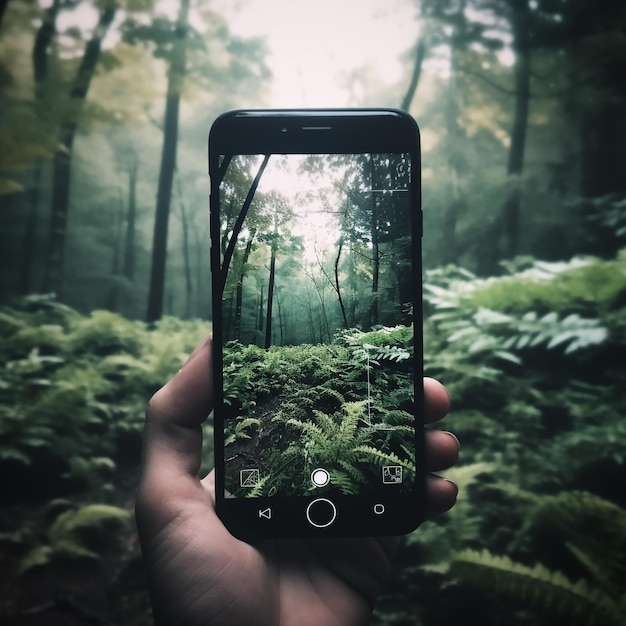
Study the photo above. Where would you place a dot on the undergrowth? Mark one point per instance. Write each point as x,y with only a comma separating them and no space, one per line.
533,360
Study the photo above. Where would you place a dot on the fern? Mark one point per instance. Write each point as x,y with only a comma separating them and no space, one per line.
491,331
380,458
241,430
539,588
77,534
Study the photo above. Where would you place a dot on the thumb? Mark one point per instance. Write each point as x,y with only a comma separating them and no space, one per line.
173,424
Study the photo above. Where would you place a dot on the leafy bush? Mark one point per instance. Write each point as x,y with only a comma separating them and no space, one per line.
534,363
531,359
73,390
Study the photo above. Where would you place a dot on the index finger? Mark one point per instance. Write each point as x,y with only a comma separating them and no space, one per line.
436,401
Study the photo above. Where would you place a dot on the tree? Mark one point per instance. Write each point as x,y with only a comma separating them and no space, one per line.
241,217
128,268
521,31
175,77
55,257
43,40
188,53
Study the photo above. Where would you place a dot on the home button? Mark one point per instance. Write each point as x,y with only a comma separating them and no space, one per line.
321,513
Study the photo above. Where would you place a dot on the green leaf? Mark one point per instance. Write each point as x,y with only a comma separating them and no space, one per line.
37,557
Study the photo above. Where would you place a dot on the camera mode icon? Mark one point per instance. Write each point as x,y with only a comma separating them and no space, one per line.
320,477
392,474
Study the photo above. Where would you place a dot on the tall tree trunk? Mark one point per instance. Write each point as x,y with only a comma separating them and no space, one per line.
186,259
270,296
337,286
374,309
420,53
281,319
457,203
242,275
175,77
43,39
520,27
261,313
53,281
30,233
131,218
230,249
3,7
113,299
323,317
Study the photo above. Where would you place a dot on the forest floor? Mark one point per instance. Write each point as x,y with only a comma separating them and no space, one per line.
109,590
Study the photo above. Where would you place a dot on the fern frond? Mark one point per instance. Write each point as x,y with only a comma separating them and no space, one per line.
257,490
311,429
466,474
355,474
342,480
325,422
383,458
538,587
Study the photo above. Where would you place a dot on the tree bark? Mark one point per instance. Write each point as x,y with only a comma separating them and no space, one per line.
55,257
43,39
520,28
3,7
230,249
270,296
131,218
261,311
420,53
186,259
457,203
175,77
375,251
242,275
337,286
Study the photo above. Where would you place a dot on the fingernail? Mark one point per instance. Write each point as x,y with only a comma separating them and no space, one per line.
453,436
456,487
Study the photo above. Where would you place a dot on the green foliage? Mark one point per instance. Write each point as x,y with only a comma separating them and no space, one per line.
318,395
84,533
333,442
532,359
533,362
241,431
539,588
484,318
73,389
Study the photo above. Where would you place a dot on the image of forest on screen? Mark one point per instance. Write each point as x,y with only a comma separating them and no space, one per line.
317,288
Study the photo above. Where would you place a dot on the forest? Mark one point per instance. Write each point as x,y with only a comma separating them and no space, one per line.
105,107
312,249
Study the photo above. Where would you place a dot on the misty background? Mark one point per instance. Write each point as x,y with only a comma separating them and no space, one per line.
105,109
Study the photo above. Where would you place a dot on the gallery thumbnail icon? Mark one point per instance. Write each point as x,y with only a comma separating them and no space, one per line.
249,478
392,474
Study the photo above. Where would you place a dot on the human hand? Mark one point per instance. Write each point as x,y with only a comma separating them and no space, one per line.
199,574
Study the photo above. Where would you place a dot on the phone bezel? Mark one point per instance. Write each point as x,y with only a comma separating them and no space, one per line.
316,131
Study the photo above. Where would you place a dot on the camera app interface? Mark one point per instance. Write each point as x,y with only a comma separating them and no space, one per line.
316,283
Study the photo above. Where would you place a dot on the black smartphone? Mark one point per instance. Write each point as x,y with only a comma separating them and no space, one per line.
317,322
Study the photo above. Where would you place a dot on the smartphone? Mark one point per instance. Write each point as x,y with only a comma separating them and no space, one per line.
316,225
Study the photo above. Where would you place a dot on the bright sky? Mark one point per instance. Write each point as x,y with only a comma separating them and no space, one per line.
315,44
315,225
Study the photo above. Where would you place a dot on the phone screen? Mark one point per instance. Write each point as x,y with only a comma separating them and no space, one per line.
316,278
